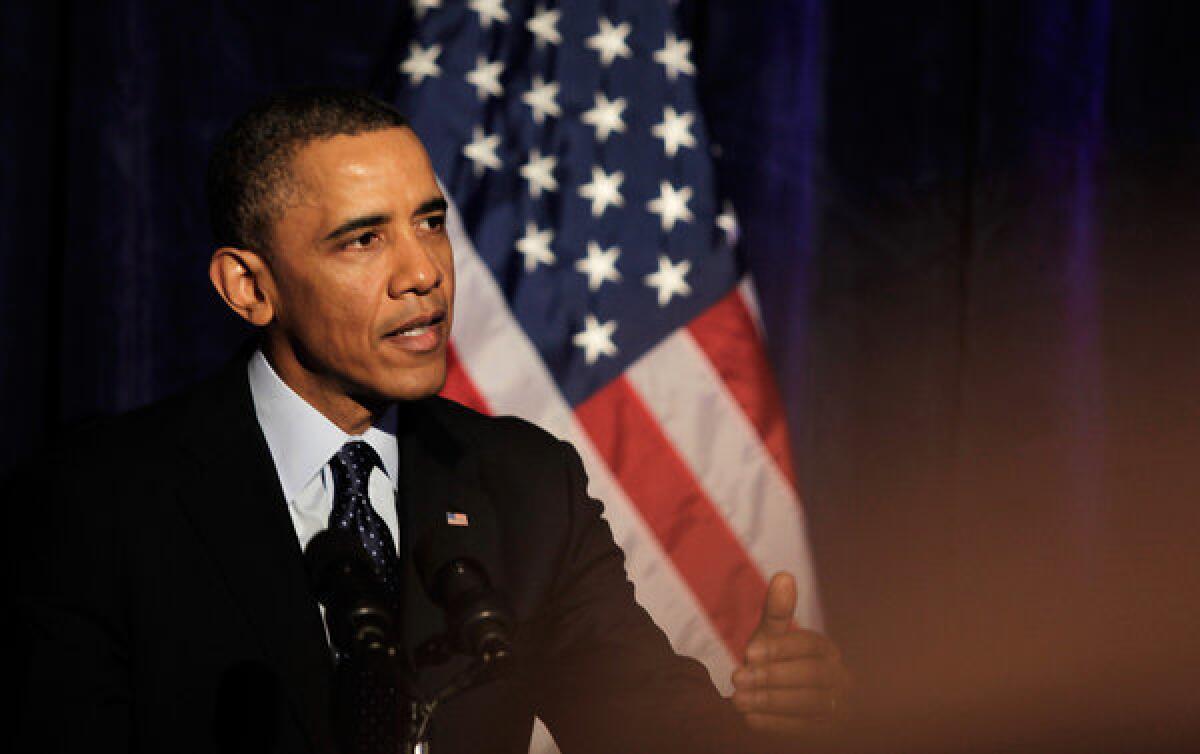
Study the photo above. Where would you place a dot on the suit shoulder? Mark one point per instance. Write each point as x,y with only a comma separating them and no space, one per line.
153,429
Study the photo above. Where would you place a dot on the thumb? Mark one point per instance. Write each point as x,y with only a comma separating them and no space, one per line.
780,605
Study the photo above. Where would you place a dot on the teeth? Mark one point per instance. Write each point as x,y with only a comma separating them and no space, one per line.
414,332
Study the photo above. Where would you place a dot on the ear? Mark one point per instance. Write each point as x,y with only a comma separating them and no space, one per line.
241,278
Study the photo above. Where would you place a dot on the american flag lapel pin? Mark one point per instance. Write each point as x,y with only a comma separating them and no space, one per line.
457,519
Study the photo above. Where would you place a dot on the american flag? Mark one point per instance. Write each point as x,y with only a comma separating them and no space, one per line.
600,295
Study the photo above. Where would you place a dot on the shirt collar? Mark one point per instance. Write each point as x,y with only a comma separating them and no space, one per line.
301,439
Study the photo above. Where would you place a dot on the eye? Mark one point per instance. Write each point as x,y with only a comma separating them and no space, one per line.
364,240
432,223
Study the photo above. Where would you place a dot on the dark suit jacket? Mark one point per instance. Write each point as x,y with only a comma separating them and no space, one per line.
169,609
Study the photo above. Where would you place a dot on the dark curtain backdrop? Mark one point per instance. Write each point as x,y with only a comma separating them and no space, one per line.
976,234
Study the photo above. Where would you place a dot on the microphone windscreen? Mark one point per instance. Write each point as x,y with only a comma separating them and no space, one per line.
336,564
442,545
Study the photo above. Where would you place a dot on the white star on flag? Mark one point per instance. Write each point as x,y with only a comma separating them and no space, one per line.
535,246
542,99
538,171
485,77
727,221
600,265
674,56
668,280
675,130
609,42
544,27
421,62
596,339
604,190
671,205
421,7
489,11
482,151
605,116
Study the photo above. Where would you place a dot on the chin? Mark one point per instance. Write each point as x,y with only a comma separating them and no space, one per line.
415,384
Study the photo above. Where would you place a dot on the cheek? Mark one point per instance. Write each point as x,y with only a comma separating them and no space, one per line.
336,312
351,317
446,259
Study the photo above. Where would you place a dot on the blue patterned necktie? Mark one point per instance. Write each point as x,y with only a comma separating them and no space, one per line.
352,510
368,700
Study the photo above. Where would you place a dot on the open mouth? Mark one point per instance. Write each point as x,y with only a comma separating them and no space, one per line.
423,333
414,332
419,325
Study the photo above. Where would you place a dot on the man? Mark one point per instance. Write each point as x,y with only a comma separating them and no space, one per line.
168,600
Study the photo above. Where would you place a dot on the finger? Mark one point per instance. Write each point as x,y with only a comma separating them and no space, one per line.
807,672
808,704
779,606
796,643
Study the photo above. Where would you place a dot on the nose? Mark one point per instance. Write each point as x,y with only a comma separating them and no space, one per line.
416,269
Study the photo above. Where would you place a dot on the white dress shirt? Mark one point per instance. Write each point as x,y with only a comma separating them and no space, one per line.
302,440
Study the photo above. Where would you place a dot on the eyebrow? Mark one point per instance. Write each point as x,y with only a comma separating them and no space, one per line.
437,204
356,223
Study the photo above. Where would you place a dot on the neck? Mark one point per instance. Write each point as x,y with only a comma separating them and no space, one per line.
351,415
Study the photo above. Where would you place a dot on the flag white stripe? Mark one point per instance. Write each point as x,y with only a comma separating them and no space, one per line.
505,368
749,295
724,452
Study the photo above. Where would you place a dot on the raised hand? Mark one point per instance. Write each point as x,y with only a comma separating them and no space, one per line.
793,679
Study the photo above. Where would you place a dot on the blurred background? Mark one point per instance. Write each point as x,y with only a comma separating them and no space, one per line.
975,233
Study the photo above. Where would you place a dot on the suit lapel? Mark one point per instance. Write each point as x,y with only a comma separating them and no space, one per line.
439,476
235,502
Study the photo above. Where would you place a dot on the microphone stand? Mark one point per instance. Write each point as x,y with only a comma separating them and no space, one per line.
373,686
421,710
373,677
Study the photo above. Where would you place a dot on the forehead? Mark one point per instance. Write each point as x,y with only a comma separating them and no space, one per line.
388,165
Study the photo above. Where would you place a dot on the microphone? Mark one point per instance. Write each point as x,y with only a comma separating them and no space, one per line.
357,606
478,621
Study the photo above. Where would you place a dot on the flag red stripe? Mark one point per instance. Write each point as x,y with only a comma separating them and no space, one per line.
458,385
709,557
726,334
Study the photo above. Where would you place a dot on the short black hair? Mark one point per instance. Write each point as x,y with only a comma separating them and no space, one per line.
249,172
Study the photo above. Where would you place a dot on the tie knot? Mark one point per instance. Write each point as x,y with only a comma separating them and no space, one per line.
353,463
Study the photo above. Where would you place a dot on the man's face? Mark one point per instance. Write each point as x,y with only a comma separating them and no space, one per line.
361,275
